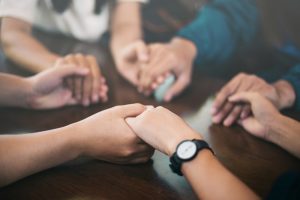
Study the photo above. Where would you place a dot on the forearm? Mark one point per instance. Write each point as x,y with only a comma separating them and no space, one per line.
210,180
285,133
22,48
23,155
126,25
29,53
14,91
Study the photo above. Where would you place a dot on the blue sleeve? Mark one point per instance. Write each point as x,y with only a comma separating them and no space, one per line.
221,28
293,77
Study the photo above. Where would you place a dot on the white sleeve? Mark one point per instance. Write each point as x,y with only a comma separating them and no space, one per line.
21,9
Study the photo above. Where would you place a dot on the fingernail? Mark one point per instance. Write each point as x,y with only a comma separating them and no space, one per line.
95,98
168,98
216,120
213,110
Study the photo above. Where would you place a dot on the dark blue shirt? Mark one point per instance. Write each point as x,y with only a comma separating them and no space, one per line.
223,27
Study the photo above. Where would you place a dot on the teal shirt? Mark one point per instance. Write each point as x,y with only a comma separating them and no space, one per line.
224,27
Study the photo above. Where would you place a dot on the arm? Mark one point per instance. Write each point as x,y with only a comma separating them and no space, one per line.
43,91
211,180
268,123
208,177
284,132
14,91
23,155
221,27
126,26
22,48
127,45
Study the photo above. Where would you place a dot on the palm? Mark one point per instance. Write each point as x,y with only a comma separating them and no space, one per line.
56,98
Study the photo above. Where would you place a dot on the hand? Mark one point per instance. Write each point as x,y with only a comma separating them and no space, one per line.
162,129
106,136
264,113
227,112
90,89
176,57
130,60
48,90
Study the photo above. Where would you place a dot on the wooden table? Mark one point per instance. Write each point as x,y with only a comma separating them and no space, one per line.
254,161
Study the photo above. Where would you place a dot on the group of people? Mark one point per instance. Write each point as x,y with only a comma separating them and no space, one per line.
129,133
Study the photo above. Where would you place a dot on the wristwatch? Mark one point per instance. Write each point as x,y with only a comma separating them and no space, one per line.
186,151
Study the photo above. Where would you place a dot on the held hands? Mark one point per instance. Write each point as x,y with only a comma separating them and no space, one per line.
226,112
106,136
162,129
89,89
147,66
264,113
48,90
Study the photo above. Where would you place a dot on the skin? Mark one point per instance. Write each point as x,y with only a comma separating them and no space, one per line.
22,48
209,179
280,93
45,90
175,57
94,137
127,46
267,123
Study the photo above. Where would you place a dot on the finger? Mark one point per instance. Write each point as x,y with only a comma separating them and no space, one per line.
137,50
233,116
68,70
246,111
131,110
246,97
159,65
180,84
142,52
224,111
77,81
224,93
98,81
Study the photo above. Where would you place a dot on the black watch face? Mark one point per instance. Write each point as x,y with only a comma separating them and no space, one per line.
186,150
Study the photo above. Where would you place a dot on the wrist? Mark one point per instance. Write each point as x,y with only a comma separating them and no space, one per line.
27,93
187,135
272,127
285,93
74,139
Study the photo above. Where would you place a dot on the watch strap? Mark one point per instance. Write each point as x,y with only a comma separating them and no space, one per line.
176,162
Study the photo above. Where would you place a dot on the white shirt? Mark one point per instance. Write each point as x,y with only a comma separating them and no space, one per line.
78,21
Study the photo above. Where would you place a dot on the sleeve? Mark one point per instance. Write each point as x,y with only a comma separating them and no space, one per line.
286,187
293,77
221,27
23,10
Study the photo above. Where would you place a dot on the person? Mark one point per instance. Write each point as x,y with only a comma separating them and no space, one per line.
191,156
95,137
86,21
236,26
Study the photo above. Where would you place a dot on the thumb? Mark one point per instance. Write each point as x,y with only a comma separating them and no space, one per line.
251,125
142,52
131,110
180,84
130,121
137,50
